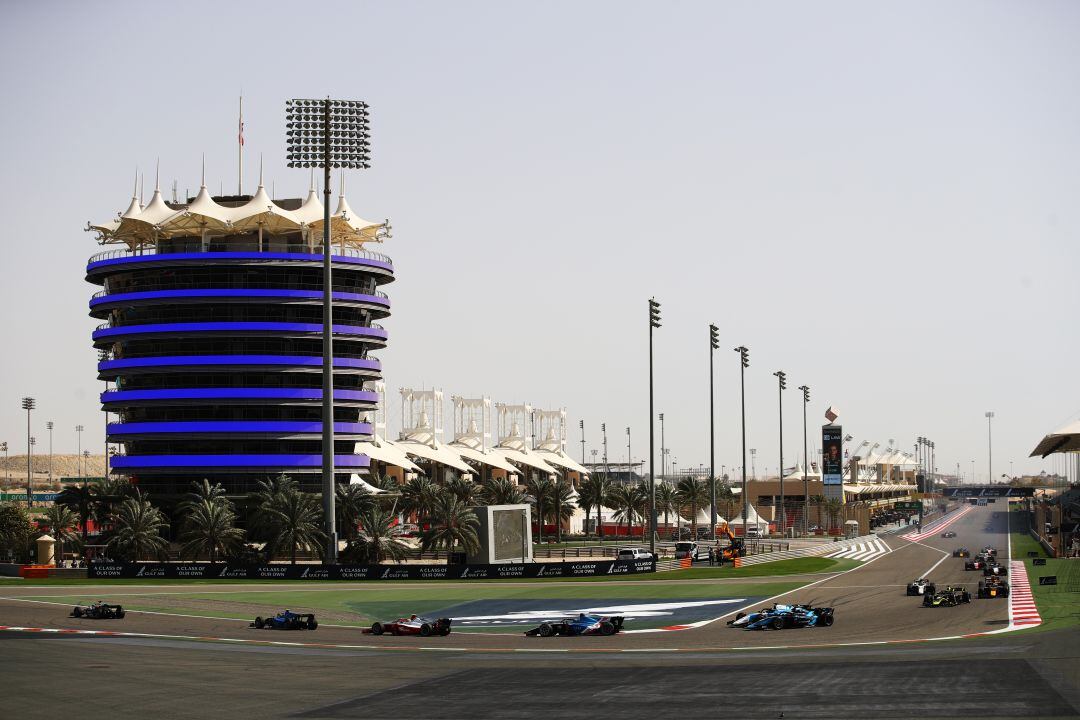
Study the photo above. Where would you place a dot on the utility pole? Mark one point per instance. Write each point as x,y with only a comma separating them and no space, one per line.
781,377
714,343
49,427
806,463
654,322
662,463
989,448
28,405
744,362
581,424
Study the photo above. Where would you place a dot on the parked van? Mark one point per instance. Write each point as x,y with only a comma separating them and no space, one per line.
690,549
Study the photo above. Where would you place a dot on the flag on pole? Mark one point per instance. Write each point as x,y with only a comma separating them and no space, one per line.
241,121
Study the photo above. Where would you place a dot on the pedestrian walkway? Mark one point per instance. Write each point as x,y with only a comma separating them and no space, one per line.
1022,609
864,548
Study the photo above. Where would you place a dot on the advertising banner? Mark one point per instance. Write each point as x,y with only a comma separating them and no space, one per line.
832,457
274,571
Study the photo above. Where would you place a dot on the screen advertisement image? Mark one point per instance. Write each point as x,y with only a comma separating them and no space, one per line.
832,461
509,533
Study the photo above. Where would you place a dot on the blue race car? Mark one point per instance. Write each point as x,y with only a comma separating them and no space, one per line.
581,625
287,620
781,616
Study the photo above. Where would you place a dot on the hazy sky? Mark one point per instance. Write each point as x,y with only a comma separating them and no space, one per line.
878,198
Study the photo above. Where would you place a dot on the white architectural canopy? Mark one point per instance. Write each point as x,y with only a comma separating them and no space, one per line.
139,226
1062,440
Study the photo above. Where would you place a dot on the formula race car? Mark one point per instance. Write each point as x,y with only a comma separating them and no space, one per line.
991,551
948,534
287,620
413,625
976,563
922,586
993,568
961,552
993,587
581,625
779,617
949,597
98,610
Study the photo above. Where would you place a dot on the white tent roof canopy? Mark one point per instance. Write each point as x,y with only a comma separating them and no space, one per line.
1062,440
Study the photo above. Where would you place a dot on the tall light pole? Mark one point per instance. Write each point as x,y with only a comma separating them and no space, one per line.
714,344
753,463
806,462
581,424
7,468
989,448
781,378
29,489
28,405
744,362
654,323
973,471
327,134
49,427
78,434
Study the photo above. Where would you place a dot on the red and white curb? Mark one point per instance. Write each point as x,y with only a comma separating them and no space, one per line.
938,525
1022,610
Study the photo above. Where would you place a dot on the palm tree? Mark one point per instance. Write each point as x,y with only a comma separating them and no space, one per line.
379,538
666,501
288,518
641,499
562,498
466,490
692,492
110,493
540,487
203,491
60,520
623,500
81,499
210,528
594,493
418,496
351,502
833,507
502,491
137,529
452,524
725,495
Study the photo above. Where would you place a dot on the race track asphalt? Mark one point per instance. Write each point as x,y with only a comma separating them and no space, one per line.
339,672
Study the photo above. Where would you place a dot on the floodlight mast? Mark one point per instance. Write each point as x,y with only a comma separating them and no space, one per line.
327,133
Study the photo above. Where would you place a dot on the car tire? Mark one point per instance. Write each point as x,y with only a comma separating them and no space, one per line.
377,628
259,623
312,624
607,628
120,613
77,612
827,620
425,630
777,624
546,630
740,616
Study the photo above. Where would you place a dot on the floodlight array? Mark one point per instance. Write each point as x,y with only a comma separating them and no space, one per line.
308,124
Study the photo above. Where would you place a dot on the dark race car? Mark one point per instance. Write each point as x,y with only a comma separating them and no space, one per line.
98,610
412,625
583,624
975,563
993,587
948,534
989,551
781,616
287,620
922,586
949,597
961,552
992,567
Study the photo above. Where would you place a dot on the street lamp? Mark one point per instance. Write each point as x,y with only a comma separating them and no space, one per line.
78,433
781,378
989,448
806,463
714,344
327,134
744,362
629,459
753,463
7,468
28,405
654,322
662,449
29,489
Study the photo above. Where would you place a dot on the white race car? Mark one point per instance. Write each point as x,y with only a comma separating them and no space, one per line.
922,586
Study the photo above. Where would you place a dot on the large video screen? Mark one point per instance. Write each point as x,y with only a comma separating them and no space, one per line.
832,461
509,532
